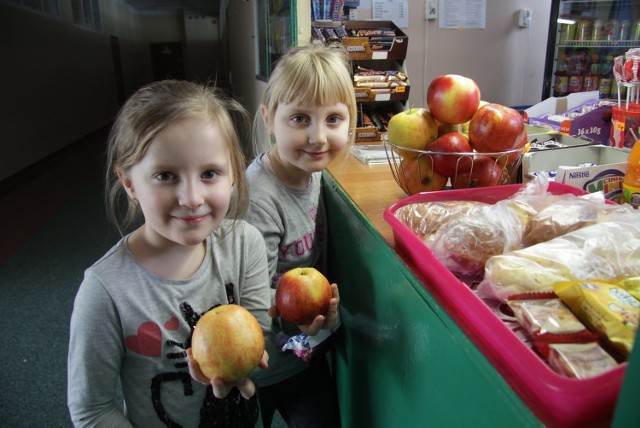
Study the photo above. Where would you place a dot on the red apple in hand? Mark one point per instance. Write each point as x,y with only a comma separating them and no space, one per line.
227,342
416,175
302,295
495,128
453,98
414,129
448,164
485,172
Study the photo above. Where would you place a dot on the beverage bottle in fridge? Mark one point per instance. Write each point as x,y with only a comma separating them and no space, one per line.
561,84
592,78
631,181
606,76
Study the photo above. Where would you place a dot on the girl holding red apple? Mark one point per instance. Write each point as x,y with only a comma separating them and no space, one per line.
174,161
309,114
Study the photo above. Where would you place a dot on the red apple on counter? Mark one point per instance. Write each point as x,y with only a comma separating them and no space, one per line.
414,128
453,98
485,172
227,342
416,175
302,295
448,164
496,128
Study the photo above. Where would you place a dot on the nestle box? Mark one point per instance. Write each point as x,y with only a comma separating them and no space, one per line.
589,168
579,114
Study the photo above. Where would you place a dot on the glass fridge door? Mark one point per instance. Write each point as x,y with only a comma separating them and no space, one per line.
589,35
277,32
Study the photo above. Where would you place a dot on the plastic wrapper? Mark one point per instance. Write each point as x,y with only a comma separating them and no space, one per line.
604,307
580,360
563,215
424,219
544,317
609,251
632,285
466,243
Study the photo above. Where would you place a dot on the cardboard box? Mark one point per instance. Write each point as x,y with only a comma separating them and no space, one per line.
364,48
557,113
605,170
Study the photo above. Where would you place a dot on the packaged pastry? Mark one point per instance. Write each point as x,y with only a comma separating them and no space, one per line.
603,307
542,317
580,360
609,250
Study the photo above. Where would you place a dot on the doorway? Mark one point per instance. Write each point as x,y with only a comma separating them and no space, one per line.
167,61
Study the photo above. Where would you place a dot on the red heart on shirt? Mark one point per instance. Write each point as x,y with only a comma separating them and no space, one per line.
172,323
147,342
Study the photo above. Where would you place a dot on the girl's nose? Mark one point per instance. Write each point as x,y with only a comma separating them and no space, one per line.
190,194
317,135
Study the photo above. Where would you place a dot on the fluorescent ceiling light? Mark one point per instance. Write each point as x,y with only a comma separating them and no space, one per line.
566,21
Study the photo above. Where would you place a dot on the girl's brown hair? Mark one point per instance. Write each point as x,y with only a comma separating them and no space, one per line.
150,110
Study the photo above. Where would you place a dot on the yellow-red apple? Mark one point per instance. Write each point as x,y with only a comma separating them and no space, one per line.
303,294
414,129
484,172
227,342
453,98
496,128
416,175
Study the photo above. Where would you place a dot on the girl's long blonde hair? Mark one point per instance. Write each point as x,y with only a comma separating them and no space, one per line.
150,110
311,75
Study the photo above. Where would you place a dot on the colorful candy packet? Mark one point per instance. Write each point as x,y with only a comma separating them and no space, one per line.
605,308
632,285
580,360
548,320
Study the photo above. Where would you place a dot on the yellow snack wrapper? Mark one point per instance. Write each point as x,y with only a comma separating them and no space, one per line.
605,308
632,285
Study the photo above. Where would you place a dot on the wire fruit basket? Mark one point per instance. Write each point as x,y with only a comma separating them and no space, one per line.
418,171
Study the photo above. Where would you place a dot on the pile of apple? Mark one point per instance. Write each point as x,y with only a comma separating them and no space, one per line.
459,137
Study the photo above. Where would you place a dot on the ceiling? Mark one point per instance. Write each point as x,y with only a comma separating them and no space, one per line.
156,6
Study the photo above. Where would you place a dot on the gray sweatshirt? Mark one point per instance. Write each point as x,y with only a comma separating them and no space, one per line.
294,226
132,327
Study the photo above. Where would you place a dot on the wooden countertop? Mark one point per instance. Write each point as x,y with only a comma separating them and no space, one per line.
372,188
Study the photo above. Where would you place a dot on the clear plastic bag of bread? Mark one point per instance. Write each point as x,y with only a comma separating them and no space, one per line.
607,250
425,218
465,243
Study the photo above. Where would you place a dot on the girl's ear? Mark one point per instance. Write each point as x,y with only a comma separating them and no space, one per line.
126,183
263,114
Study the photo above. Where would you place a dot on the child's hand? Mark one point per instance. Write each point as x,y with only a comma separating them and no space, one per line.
322,322
221,388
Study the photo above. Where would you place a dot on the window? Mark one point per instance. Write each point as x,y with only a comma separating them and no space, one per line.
48,7
86,13
277,32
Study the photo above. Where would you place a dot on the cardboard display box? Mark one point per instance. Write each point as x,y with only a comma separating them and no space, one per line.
561,115
590,168
375,47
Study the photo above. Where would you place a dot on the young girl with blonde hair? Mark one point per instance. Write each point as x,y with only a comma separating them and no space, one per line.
309,114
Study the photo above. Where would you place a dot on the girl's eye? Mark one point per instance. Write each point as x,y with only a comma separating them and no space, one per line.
335,119
298,119
208,175
164,176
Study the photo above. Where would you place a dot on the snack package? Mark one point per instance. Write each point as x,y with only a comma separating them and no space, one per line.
608,250
580,360
605,308
632,285
545,317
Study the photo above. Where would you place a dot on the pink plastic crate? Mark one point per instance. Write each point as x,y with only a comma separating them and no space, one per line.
555,399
